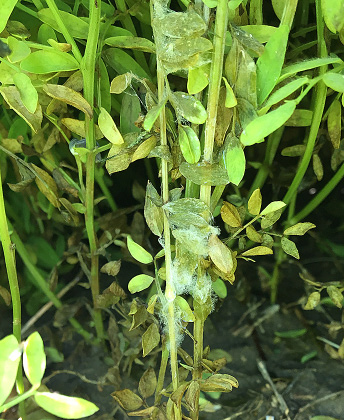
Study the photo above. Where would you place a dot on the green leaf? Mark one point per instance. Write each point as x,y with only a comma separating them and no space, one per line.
333,12
334,81
132,42
305,359
104,87
189,144
255,202
49,61
153,114
77,27
234,158
289,248
269,64
109,128
122,62
9,362
334,123
299,229
34,359
19,49
65,407
7,7
262,33
120,83
139,282
137,252
130,110
231,100
220,288
272,207
266,124
300,118
198,79
291,333
28,93
188,107
307,65
186,313
312,301
150,339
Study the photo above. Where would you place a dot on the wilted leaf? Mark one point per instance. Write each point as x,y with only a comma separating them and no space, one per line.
220,254
144,148
6,296
230,215
78,127
34,359
65,407
312,301
153,213
108,127
335,295
219,383
111,268
47,186
334,123
69,96
299,229
192,395
139,282
150,339
189,144
255,202
188,107
257,250
147,383
290,248
144,412
127,399
272,207
138,252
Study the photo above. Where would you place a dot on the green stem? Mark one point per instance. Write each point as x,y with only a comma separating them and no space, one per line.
162,373
320,197
9,254
256,12
27,10
19,399
319,104
56,14
215,197
99,177
88,66
289,13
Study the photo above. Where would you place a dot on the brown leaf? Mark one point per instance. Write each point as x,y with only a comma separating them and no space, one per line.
192,395
47,185
6,295
219,383
150,339
69,96
127,399
147,383
111,268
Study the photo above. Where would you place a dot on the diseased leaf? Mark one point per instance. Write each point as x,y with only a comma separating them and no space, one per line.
138,252
266,124
219,383
127,399
120,83
46,61
334,123
188,107
153,114
144,149
204,173
220,254
257,250
153,211
289,248
131,42
269,64
272,207
28,93
335,295
253,235
69,96
312,301
255,202
139,283
109,128
270,219
317,166
186,313
299,229
147,383
63,406
230,215
19,49
198,79
111,268
78,127
150,339
47,186
189,144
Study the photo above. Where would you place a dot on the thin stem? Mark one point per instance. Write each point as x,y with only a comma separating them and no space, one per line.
319,104
56,14
88,67
320,197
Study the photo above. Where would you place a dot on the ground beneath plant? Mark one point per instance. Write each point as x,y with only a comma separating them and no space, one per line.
277,352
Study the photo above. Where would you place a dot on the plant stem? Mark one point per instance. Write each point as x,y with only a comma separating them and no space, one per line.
319,104
9,254
56,14
88,67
